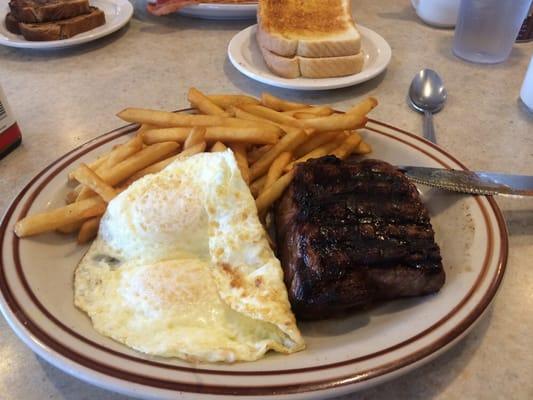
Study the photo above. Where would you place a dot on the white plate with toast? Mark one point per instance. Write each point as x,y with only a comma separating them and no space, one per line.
342,355
117,14
245,55
220,11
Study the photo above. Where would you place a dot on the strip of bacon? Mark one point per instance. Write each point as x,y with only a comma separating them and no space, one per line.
164,7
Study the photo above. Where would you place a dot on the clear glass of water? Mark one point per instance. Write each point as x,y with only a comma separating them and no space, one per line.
486,29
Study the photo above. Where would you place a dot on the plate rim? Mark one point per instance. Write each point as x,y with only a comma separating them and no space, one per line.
126,13
314,84
49,353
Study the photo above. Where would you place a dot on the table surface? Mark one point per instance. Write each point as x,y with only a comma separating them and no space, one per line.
63,98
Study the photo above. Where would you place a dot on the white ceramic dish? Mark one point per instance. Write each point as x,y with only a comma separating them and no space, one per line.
342,355
117,14
245,55
220,11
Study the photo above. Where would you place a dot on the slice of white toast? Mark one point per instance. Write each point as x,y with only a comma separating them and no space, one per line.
309,67
307,28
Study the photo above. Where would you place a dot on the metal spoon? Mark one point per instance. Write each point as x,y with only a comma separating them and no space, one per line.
427,94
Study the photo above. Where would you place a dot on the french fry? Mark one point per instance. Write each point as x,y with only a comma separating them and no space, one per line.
239,151
171,120
319,111
241,114
203,103
159,166
276,169
335,122
70,228
315,141
90,179
287,143
121,153
197,135
166,135
363,148
321,151
229,100
239,135
303,115
256,186
147,156
347,146
54,219
88,230
217,147
272,115
93,165
272,193
256,154
363,107
85,193
278,104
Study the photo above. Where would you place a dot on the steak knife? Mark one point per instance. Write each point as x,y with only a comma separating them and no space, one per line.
483,183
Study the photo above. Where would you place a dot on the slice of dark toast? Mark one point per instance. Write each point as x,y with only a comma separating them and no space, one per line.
35,11
62,29
12,25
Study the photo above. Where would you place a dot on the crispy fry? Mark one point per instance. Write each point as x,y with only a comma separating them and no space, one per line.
319,111
276,169
272,193
287,143
256,154
256,186
278,104
239,135
197,135
171,120
325,149
347,146
241,114
203,103
121,153
229,100
159,166
166,135
88,230
147,156
54,219
363,107
315,141
335,122
272,115
303,115
70,228
218,146
363,148
90,179
239,151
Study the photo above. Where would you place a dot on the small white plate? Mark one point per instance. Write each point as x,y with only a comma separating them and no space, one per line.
244,54
342,354
220,11
117,14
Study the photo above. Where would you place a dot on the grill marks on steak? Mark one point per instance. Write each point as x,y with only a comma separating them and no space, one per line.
353,233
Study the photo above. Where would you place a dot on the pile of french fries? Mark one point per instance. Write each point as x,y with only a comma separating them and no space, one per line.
268,137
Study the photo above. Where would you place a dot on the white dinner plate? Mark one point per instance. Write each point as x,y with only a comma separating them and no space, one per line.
342,354
117,14
220,11
245,55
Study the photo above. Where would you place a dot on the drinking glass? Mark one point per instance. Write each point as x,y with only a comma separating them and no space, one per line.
486,29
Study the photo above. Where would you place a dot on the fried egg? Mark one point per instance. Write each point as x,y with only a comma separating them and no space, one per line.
181,267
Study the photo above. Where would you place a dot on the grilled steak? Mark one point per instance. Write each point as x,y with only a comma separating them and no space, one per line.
352,233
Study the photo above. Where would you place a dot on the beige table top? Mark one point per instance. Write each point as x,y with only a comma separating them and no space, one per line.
64,98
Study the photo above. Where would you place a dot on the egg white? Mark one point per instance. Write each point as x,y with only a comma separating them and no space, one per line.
182,268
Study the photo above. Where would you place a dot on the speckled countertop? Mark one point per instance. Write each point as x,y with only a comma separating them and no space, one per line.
64,98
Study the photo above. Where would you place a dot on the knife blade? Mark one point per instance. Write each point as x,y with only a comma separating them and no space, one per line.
472,182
